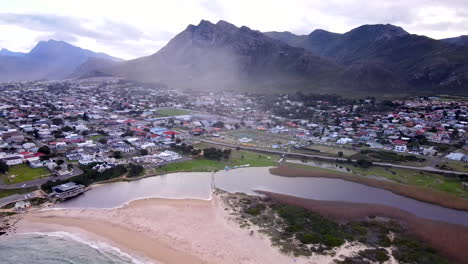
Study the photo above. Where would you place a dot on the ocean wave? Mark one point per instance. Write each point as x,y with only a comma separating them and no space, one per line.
102,247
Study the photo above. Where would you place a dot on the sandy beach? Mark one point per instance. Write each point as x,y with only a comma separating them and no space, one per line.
163,231
170,231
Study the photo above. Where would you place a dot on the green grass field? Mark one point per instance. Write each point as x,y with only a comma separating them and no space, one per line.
427,180
96,138
23,172
237,158
331,151
8,192
260,138
414,177
456,165
172,112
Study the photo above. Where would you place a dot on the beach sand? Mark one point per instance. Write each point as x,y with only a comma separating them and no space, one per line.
165,231
170,231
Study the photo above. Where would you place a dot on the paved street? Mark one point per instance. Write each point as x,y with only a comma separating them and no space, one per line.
39,182
17,197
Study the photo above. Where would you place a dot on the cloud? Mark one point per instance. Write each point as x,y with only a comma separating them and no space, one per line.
102,30
140,27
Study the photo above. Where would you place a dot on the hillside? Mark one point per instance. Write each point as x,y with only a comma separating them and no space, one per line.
47,60
425,64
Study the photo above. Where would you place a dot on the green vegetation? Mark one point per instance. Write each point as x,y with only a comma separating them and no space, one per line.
301,232
428,180
96,138
259,138
433,181
410,250
236,158
8,192
23,172
332,151
172,112
135,170
386,156
3,167
454,165
89,176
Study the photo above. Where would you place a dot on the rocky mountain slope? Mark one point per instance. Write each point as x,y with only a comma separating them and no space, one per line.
424,64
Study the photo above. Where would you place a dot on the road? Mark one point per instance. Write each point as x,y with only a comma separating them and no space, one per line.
39,182
428,169
18,197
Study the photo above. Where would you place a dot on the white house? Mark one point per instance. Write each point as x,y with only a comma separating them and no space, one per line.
455,156
401,148
344,141
22,205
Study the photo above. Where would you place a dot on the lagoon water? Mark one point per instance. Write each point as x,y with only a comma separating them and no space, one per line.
197,185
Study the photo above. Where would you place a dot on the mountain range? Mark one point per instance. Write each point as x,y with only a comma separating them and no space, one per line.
47,60
368,60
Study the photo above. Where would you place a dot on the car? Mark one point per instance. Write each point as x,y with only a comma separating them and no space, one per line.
24,185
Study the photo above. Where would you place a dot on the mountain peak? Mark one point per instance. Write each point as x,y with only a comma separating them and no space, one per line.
6,52
225,25
377,31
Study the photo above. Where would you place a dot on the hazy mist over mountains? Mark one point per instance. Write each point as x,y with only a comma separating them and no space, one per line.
210,57
47,60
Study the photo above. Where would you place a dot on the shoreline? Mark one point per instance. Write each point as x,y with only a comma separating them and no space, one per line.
162,230
413,192
156,230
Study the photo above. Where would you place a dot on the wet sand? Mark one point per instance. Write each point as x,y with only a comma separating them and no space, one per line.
448,239
417,193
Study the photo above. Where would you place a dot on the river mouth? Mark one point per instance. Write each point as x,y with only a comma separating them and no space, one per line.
199,185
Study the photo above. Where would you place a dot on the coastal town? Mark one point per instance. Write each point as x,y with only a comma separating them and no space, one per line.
50,130
60,139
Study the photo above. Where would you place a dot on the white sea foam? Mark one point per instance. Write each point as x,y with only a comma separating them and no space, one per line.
99,246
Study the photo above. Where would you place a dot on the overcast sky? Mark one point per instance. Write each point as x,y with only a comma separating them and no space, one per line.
134,28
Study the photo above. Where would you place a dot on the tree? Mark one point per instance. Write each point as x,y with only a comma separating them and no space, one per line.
118,155
36,134
178,140
143,152
60,161
364,163
102,141
70,167
57,168
454,134
340,154
67,129
85,116
44,150
3,167
57,121
219,124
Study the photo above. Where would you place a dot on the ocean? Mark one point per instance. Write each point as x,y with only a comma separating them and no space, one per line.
58,248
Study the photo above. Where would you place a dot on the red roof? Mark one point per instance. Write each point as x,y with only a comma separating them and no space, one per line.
399,142
171,133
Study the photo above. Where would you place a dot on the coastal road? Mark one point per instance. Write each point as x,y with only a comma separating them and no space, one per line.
76,171
278,152
18,197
